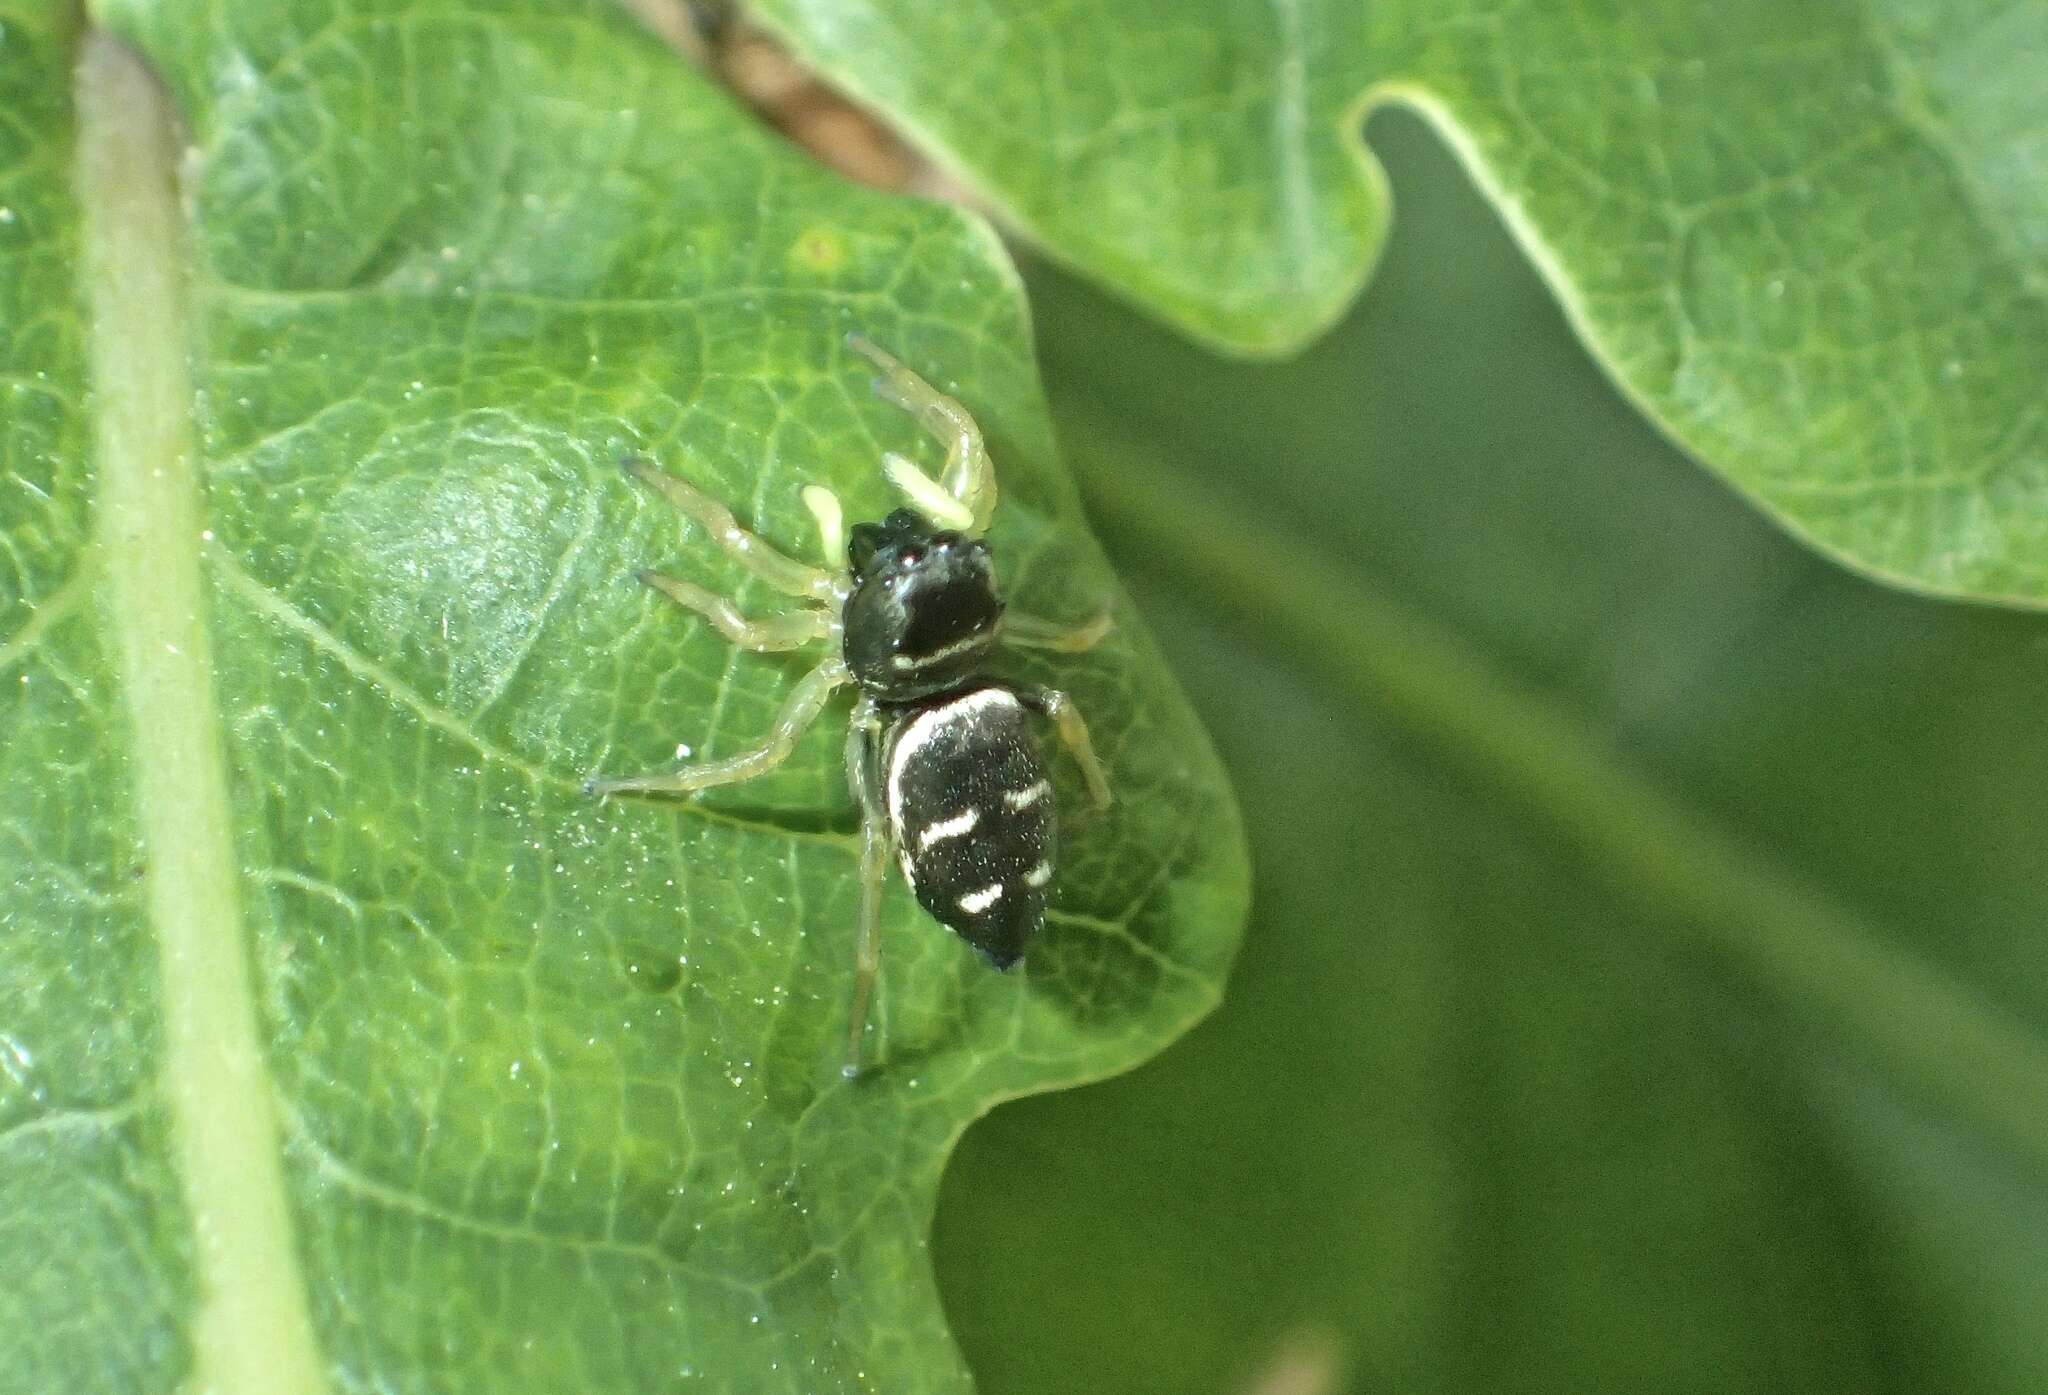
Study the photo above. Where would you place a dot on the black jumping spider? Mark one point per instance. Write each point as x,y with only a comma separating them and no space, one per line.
940,757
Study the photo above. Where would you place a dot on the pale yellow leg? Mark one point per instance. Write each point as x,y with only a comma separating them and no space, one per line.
1033,633
1073,733
874,869
824,506
969,476
785,574
792,630
804,704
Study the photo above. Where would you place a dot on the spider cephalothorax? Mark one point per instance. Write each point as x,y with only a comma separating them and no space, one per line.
923,612
940,757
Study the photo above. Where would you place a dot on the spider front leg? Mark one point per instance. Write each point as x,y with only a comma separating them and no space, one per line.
964,495
792,630
831,518
862,752
802,707
1073,733
785,574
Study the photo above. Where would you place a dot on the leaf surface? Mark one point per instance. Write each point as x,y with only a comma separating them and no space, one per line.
1807,240
451,1078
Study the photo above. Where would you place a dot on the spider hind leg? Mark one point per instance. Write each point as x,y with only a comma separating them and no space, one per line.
863,741
1073,734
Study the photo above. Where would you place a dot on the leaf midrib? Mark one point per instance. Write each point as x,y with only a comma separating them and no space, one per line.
251,1331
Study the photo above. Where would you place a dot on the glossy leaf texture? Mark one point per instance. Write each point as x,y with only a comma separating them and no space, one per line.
547,1091
1807,240
1644,987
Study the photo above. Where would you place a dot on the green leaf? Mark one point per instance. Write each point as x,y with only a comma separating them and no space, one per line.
344,1044
1643,990
1808,240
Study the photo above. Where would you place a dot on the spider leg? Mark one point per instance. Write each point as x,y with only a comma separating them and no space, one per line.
802,707
785,574
1073,733
824,506
1033,633
969,476
926,493
862,742
790,630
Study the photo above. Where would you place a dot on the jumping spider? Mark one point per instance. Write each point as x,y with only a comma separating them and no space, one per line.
939,756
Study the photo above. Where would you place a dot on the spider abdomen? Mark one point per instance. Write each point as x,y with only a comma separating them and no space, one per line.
971,814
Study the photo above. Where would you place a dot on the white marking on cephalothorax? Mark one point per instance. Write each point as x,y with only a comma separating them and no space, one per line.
1038,876
944,651
909,868
922,729
975,902
1020,800
962,822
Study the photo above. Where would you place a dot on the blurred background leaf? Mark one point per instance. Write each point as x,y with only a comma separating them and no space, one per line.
1645,987
1808,239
